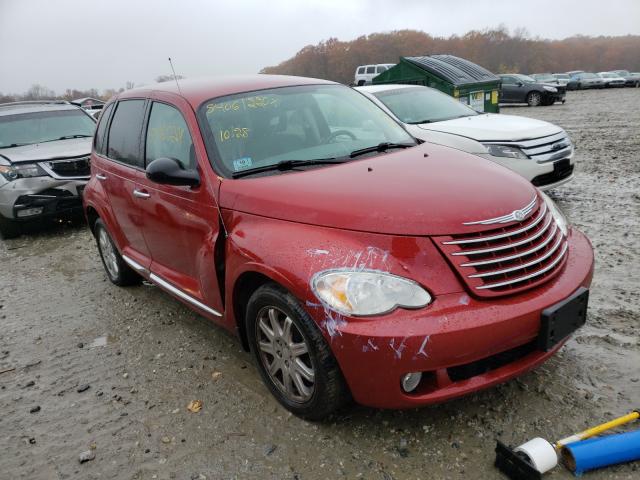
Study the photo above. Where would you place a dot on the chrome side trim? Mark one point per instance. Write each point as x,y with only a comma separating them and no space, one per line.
510,245
531,275
543,212
510,217
513,257
135,265
523,266
179,293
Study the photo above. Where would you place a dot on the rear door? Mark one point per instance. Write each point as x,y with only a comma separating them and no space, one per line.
120,175
181,224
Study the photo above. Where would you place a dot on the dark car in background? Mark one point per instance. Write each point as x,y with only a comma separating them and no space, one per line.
586,80
517,88
44,161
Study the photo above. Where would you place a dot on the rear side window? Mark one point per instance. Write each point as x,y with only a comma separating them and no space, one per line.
361,70
371,69
100,144
168,136
124,135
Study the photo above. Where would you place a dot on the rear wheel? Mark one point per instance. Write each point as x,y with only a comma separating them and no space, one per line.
293,358
9,228
117,269
534,99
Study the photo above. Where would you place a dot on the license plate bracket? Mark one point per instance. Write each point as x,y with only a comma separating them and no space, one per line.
562,319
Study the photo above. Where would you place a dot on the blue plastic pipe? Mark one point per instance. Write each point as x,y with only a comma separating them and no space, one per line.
580,457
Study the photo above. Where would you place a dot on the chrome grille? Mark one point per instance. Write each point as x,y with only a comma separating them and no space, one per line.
508,259
544,149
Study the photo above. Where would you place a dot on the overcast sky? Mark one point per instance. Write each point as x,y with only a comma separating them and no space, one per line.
104,43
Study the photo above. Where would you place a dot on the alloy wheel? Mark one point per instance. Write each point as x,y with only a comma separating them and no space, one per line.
108,254
284,354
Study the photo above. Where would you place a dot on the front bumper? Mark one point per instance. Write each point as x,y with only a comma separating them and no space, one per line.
544,175
45,195
461,344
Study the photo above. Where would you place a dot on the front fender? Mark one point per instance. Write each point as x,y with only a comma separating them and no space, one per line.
291,253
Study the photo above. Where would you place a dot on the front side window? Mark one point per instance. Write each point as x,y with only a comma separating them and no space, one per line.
381,68
262,128
508,80
423,105
45,126
168,136
124,135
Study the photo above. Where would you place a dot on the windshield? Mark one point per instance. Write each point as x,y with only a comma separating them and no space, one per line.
525,78
302,123
423,105
37,127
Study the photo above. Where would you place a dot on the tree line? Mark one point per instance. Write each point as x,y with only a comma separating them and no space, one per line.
41,92
497,50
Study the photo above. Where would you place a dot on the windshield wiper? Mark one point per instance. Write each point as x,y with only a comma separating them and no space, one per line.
16,145
77,135
381,147
287,165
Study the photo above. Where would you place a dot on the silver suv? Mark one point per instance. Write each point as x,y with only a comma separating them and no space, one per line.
44,161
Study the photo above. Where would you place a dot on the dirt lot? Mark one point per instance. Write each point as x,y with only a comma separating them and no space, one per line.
114,369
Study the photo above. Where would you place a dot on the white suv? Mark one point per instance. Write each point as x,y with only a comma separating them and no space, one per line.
365,73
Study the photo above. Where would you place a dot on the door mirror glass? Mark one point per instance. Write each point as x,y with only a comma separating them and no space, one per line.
169,171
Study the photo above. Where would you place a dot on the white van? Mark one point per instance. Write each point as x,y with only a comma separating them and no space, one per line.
365,73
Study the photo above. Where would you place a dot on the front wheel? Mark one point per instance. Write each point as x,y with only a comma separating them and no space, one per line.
117,269
293,358
534,99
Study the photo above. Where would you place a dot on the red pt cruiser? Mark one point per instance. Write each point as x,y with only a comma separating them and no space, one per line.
350,260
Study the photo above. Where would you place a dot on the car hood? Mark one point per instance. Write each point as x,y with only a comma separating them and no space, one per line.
73,147
494,127
424,190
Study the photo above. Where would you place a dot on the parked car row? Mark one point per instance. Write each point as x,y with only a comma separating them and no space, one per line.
329,228
580,80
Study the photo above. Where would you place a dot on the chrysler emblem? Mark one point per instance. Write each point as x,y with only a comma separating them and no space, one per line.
515,216
518,215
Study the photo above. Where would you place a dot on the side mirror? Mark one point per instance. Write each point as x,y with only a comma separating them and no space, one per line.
169,171
520,84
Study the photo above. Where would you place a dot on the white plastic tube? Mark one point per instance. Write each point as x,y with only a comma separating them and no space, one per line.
540,453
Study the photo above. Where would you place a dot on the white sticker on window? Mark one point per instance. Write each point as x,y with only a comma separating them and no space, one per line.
242,163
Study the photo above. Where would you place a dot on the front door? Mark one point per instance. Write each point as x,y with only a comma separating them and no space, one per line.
180,223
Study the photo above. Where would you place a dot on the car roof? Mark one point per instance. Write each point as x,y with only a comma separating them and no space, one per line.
198,90
386,87
33,106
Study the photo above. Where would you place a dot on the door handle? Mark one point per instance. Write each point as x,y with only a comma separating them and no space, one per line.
140,194
101,177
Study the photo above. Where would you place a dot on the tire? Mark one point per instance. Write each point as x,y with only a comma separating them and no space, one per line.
117,269
361,83
307,381
534,99
9,228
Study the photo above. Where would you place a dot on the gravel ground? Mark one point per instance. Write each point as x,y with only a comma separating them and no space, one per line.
110,372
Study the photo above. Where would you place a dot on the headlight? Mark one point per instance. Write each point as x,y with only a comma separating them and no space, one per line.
367,292
13,172
558,216
550,89
505,151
